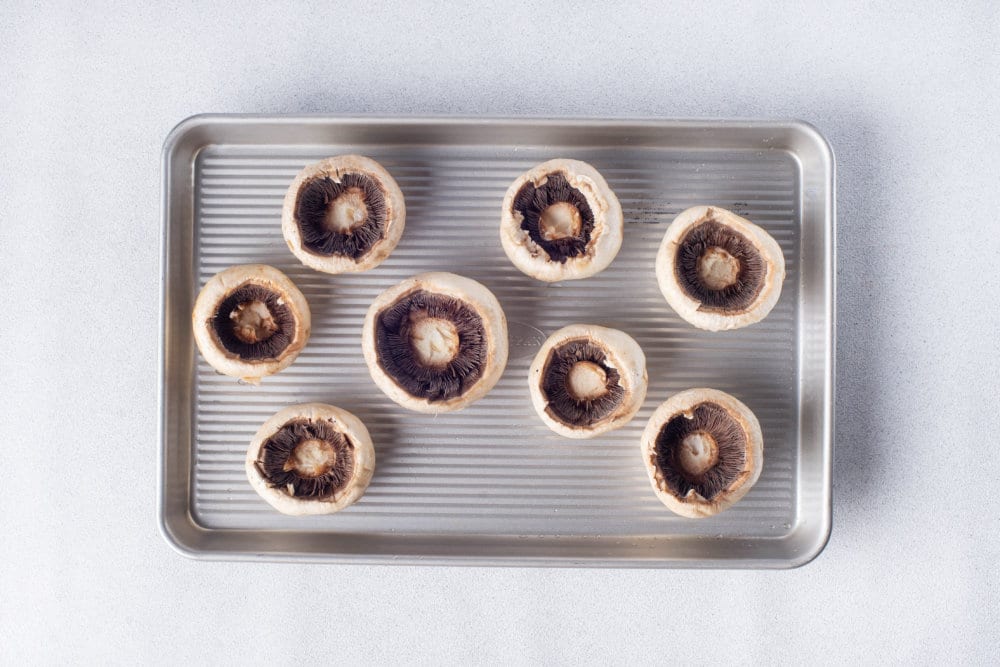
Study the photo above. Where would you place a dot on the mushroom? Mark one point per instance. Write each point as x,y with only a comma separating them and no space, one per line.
250,321
717,270
311,459
561,221
587,380
703,451
343,214
435,342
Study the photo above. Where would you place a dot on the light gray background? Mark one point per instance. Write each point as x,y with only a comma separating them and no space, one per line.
909,99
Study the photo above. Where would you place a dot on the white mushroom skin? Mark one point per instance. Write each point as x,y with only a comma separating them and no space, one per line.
473,294
334,167
623,353
694,505
605,239
216,289
716,268
344,422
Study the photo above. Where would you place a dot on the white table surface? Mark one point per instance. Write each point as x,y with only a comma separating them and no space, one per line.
909,101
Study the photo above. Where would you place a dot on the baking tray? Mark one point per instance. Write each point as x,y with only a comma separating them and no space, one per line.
490,485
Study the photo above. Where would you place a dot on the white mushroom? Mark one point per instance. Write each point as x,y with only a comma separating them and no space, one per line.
717,270
343,214
703,451
587,380
311,459
561,221
250,321
435,342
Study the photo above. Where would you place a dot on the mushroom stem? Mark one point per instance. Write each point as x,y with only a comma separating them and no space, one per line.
718,269
587,380
434,341
347,212
560,221
311,458
697,453
253,322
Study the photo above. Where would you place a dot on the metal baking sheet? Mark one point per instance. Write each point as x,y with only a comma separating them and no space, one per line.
491,485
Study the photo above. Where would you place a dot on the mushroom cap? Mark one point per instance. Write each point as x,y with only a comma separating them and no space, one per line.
694,505
606,237
623,354
690,308
333,167
344,422
470,292
216,289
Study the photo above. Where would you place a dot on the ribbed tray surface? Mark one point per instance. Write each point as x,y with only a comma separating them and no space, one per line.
493,468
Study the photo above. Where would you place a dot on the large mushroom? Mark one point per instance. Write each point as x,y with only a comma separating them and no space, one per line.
435,342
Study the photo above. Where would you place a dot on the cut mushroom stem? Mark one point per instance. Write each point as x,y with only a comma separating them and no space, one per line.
703,451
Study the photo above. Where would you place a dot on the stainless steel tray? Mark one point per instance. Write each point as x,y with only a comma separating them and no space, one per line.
490,485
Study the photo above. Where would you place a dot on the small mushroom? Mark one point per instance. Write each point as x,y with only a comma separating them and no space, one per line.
561,221
435,342
717,270
250,321
703,451
343,214
311,459
587,380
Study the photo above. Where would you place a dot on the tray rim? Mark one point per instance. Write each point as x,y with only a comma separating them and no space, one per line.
176,535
